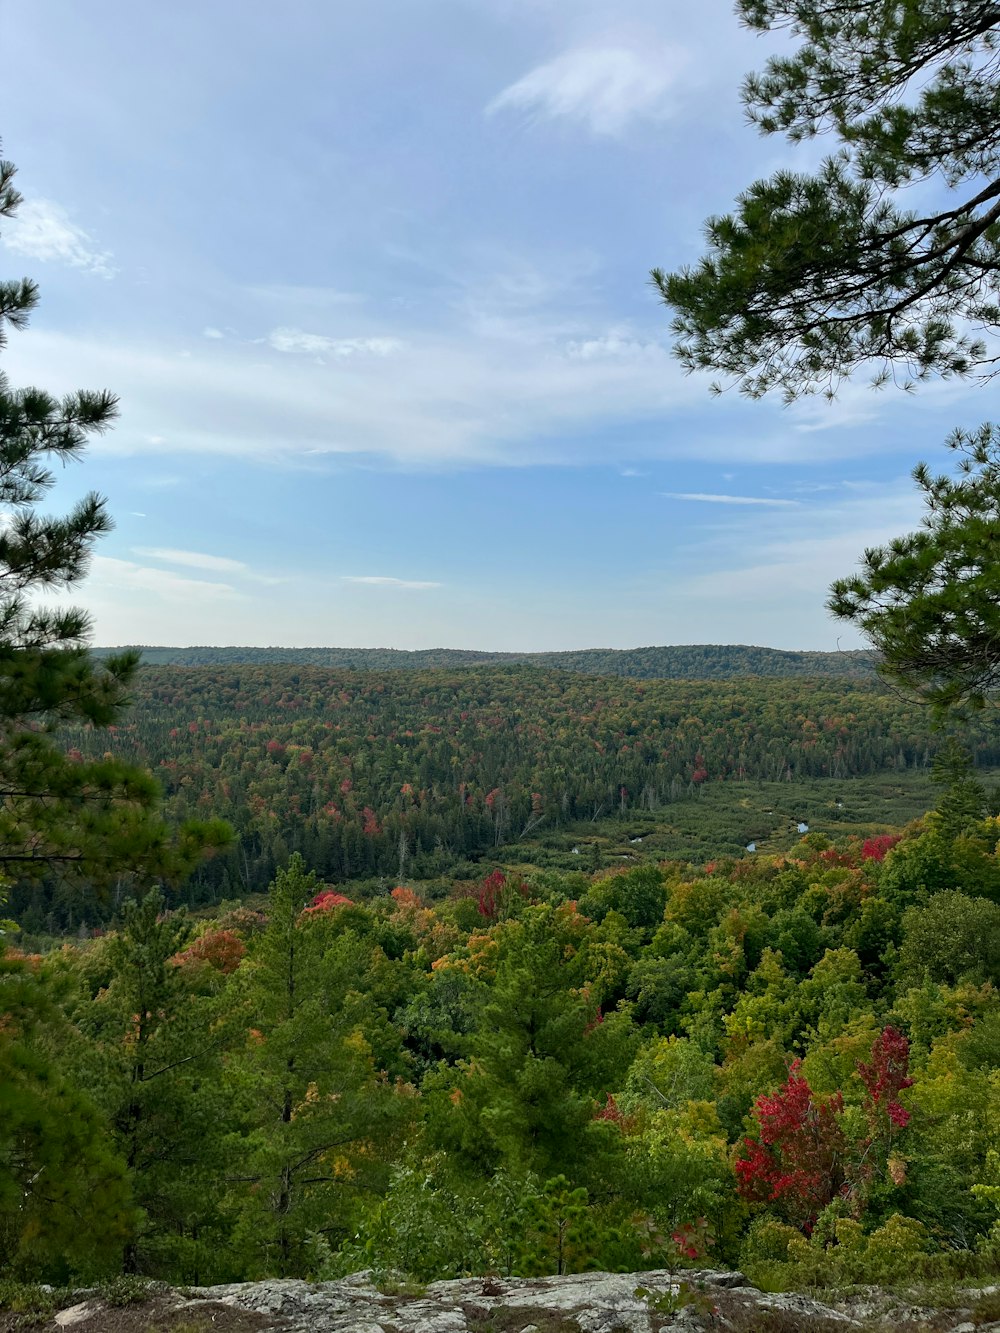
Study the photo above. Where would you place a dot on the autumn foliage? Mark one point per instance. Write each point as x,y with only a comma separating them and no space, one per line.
326,901
222,950
797,1160
801,1158
497,893
884,1077
875,849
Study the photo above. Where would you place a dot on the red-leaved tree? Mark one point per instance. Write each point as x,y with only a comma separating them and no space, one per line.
801,1160
885,1076
498,893
797,1159
875,849
221,949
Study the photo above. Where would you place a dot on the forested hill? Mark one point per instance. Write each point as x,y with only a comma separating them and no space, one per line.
404,772
675,662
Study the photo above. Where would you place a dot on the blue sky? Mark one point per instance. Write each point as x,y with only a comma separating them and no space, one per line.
372,284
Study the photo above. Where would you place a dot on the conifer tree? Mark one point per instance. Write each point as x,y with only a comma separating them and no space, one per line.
928,601
817,273
56,813
311,1102
64,1195
153,1064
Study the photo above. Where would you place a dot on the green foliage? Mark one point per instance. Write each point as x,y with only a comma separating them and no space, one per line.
152,1064
121,1292
765,1249
927,600
638,895
312,1111
674,662
989,1188
816,274
840,1253
33,1299
432,1225
64,1195
953,938
669,1072
541,1054
679,1296
561,1233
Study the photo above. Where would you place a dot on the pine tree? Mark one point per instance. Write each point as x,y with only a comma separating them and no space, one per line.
312,1105
815,274
56,813
64,1196
928,601
152,1062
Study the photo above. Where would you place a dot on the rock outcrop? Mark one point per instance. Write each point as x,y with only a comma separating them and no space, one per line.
582,1303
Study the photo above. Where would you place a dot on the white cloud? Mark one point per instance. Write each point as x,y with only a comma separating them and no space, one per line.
465,394
606,87
213,564
383,580
768,581
725,499
216,564
44,230
315,344
128,577
209,331
455,397
612,345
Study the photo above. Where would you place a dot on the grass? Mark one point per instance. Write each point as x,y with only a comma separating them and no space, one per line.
723,817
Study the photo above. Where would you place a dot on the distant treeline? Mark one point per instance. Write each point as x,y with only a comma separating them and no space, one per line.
704,661
410,774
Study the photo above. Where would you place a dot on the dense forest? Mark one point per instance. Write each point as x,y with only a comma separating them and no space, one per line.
676,662
297,974
415,774
788,1063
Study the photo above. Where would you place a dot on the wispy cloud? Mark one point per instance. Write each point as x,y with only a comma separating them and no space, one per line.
44,230
211,332
128,576
212,564
725,499
315,344
454,397
806,551
605,87
612,345
384,581
216,564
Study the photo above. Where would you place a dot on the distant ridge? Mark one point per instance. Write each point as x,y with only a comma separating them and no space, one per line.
678,662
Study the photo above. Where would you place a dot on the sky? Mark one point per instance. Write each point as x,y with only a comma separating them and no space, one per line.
372,284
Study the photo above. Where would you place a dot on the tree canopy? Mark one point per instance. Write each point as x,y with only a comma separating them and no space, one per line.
928,600
815,274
